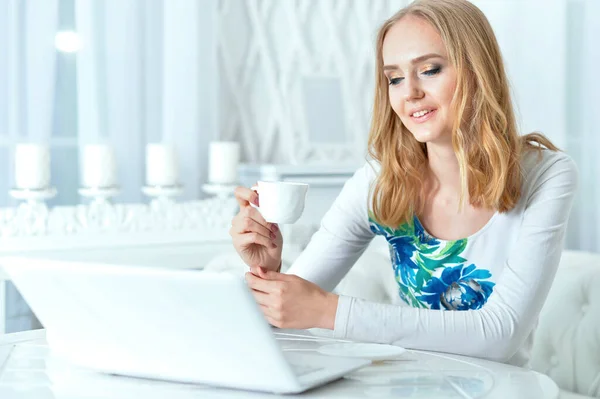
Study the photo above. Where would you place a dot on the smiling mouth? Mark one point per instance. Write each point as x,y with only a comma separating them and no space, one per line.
423,115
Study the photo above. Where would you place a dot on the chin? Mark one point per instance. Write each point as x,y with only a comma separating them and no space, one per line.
426,136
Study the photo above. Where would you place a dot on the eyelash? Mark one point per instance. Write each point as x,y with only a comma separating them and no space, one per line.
432,71
429,72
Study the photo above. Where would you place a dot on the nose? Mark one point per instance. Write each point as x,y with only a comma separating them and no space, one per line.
413,90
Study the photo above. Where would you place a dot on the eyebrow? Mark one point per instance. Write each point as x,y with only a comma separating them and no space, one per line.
414,61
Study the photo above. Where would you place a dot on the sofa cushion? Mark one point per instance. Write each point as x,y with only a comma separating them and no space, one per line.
567,340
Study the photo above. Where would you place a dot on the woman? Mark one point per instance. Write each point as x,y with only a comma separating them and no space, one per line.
475,215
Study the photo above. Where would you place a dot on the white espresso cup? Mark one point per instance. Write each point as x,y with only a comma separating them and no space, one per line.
280,202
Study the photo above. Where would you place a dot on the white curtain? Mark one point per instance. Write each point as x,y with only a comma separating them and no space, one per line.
584,111
27,76
147,73
27,88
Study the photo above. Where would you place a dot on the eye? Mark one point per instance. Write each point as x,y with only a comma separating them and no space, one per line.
395,81
432,71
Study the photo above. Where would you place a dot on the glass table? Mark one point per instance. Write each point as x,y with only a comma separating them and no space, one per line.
28,370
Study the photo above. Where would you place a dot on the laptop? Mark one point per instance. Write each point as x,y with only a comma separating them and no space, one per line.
176,325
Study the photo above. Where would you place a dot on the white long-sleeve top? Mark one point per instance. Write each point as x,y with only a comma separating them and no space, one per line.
478,296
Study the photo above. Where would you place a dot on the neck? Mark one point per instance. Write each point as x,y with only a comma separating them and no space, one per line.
444,172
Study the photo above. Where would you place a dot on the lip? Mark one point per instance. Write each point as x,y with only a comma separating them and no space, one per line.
423,118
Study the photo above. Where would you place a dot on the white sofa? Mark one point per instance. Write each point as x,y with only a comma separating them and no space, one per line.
567,339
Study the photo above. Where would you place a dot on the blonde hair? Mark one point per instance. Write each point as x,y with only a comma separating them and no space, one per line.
488,147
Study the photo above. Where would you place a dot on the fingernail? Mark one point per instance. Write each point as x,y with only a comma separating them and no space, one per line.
273,236
274,245
256,201
274,227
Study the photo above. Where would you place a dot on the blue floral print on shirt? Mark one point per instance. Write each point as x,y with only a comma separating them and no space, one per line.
431,273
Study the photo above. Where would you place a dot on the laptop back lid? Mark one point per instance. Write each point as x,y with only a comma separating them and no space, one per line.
183,325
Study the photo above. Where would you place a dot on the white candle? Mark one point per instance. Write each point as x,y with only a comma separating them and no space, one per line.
32,166
224,158
161,165
99,166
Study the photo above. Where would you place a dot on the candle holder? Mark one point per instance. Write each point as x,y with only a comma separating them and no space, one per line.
163,193
99,194
32,214
33,195
219,190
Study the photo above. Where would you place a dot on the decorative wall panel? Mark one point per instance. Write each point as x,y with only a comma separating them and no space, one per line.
268,48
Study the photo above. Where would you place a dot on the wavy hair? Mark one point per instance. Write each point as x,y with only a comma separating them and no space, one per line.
488,145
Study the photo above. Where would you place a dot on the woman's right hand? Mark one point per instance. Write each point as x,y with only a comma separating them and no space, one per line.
258,242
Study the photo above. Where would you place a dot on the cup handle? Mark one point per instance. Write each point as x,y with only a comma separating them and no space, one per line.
255,189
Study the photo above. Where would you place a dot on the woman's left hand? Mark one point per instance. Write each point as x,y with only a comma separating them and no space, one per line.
288,301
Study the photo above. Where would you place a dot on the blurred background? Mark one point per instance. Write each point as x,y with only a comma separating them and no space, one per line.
290,80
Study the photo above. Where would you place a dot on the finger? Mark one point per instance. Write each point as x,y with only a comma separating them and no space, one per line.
252,281
272,275
255,215
259,271
261,298
241,224
270,314
249,219
245,224
259,284
245,196
248,239
255,270
265,273
267,312
273,322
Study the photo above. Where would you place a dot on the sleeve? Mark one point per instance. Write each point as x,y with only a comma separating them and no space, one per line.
343,236
502,325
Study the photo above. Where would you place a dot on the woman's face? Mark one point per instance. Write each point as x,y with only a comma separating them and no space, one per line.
421,79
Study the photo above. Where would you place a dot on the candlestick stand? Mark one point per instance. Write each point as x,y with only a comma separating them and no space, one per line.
33,195
162,195
32,213
99,194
